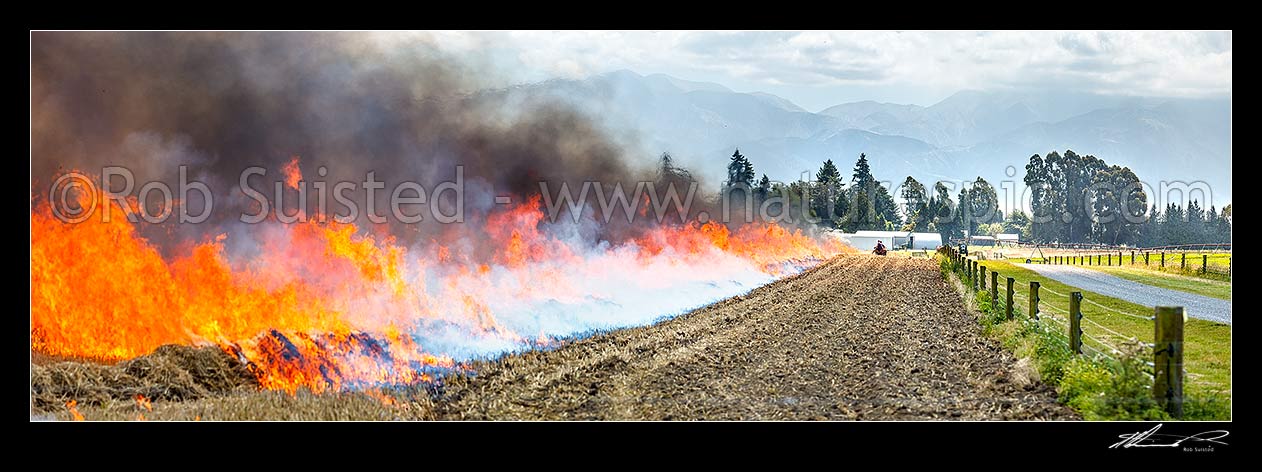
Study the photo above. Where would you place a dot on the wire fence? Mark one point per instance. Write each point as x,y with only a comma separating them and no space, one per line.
1080,332
1192,259
1118,312
1098,335
1108,330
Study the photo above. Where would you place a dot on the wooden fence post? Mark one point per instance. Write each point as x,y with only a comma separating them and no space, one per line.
1204,263
1008,307
1034,299
1075,323
982,279
994,288
1163,260
975,264
1132,257
1167,385
1183,265
1146,257
1111,259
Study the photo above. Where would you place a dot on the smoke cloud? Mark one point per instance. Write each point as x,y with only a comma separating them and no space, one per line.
222,102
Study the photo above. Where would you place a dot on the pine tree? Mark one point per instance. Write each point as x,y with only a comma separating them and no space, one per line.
740,171
827,189
764,188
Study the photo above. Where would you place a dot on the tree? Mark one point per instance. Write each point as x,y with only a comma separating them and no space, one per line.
1174,228
1119,201
942,213
740,171
828,174
863,173
1063,208
668,172
990,229
888,217
1017,223
913,195
879,210
1149,231
863,213
740,181
984,203
1195,223
764,188
827,189
1224,225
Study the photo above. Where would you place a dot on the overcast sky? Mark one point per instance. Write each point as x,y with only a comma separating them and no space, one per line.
818,69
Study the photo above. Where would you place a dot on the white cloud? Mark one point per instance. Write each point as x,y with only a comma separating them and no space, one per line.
1149,63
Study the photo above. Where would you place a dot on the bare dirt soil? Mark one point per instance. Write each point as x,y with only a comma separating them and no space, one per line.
860,337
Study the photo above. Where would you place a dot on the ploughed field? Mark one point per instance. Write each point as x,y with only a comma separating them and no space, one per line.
858,337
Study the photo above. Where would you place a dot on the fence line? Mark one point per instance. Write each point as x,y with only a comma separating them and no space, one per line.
1053,292
1105,328
1168,322
1101,342
1145,318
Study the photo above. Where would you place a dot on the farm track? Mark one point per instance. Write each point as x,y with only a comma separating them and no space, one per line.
860,337
1196,306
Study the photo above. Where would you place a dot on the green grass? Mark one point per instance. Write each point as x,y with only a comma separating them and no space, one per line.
1095,386
1208,356
1200,286
1218,264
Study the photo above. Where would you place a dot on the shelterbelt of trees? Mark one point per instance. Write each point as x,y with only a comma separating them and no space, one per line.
1074,199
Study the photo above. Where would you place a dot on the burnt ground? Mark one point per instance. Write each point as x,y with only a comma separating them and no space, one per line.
860,337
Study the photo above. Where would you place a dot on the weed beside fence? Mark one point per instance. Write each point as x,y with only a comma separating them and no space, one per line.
1102,380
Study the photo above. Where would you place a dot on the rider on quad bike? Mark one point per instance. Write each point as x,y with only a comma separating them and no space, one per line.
880,249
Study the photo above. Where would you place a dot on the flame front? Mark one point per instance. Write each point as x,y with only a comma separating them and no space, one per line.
322,306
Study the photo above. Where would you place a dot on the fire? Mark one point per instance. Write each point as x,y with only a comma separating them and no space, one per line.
72,405
143,402
326,306
293,174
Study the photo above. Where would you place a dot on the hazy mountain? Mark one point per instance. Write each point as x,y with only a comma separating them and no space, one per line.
968,134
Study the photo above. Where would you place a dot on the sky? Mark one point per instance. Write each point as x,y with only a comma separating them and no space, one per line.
818,69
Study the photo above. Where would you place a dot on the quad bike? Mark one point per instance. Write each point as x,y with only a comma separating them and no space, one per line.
880,251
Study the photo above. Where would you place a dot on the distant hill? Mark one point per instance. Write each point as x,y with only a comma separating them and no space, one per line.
968,134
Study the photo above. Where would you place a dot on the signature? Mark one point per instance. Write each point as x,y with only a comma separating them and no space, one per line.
1151,438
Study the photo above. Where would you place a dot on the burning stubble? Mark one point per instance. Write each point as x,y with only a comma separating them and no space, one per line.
327,305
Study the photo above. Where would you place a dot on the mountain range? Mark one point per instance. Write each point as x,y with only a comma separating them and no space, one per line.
969,134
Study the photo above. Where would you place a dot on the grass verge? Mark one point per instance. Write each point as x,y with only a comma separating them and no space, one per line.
1111,381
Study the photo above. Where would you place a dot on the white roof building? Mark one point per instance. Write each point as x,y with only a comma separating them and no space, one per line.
866,240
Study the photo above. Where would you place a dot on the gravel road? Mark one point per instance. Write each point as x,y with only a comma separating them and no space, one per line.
860,337
1195,306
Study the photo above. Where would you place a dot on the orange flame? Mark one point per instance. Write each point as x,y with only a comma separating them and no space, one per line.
293,174
74,410
327,307
143,402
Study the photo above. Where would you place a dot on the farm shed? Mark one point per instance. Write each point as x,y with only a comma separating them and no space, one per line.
866,240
